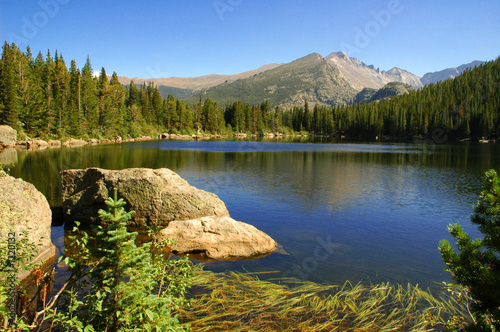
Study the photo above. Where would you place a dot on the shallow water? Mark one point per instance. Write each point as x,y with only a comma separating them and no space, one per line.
371,212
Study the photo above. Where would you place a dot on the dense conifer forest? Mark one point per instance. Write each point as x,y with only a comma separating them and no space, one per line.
41,98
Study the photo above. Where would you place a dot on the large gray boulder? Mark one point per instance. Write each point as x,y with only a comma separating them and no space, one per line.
197,220
24,208
8,136
158,196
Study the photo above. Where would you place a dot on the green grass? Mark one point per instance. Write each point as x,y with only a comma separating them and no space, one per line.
241,302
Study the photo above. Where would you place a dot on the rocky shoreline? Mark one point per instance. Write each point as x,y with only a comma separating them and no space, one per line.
8,139
198,221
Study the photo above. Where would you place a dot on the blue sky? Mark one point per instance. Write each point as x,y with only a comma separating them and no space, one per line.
189,38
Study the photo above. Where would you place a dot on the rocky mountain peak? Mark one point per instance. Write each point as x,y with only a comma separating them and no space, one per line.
360,75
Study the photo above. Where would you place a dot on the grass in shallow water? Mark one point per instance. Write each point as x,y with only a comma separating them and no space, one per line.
241,302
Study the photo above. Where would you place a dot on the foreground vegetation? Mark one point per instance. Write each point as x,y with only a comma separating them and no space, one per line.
118,286
41,98
242,302
114,286
475,266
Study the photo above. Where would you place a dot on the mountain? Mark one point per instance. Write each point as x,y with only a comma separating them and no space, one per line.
309,78
392,89
446,74
335,79
359,75
195,83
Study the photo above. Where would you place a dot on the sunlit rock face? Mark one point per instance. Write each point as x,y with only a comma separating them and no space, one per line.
24,209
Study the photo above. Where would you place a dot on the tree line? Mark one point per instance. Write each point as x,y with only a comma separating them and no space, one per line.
41,97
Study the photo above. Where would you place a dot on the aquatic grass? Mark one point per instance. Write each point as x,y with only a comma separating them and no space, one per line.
241,302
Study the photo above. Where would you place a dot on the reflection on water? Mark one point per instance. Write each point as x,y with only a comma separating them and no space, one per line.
340,211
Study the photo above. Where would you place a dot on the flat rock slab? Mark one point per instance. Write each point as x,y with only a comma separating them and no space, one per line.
218,238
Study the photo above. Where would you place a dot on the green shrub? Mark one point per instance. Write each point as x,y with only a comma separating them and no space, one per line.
119,286
476,266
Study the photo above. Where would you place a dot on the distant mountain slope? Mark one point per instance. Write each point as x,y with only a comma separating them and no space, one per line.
392,89
448,73
360,75
196,83
310,77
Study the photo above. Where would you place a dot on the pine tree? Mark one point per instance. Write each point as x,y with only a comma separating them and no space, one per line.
476,266
117,104
75,116
131,288
107,116
61,94
156,104
9,86
48,114
29,93
88,93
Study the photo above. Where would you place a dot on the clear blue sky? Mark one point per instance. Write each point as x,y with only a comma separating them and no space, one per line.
188,38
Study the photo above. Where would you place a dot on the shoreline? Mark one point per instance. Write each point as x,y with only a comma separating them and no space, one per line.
35,144
42,144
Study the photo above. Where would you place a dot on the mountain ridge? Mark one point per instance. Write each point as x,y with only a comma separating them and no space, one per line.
331,80
309,77
448,73
199,82
361,75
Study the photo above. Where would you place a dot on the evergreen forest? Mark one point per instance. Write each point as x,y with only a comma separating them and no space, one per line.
41,98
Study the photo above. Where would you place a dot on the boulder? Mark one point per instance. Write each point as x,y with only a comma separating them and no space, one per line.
157,195
24,208
8,135
22,144
37,143
197,220
54,143
215,237
74,142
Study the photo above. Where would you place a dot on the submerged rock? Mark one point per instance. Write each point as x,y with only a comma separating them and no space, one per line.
197,220
24,208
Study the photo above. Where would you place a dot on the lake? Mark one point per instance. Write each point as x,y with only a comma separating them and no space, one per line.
362,212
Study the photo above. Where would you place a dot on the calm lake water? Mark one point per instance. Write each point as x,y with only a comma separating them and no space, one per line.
359,212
